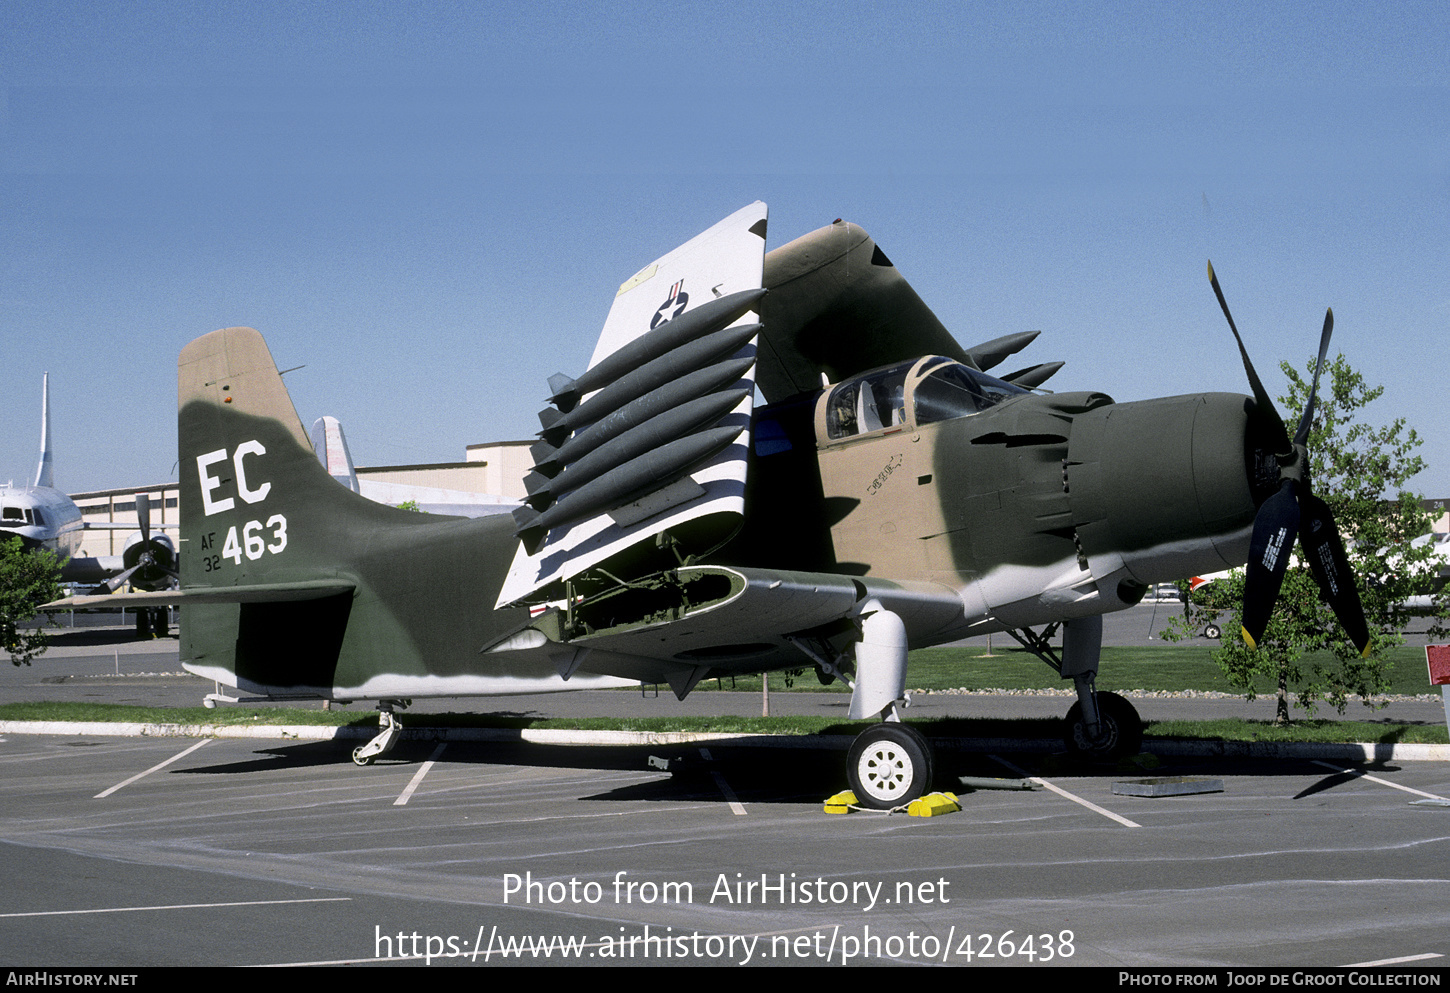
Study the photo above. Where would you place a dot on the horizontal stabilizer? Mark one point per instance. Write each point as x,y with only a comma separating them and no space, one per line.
258,593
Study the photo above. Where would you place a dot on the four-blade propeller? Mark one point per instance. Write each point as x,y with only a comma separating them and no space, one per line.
1294,511
154,559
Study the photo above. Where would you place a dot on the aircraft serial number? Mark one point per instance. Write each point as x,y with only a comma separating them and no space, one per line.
252,541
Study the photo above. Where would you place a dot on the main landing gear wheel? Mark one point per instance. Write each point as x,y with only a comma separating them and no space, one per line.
1213,631
889,765
1120,729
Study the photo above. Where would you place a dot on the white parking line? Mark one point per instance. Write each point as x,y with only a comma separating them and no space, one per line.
1376,779
179,906
736,806
1062,792
1399,961
418,776
141,775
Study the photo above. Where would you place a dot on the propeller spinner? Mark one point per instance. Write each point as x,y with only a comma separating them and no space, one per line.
1293,511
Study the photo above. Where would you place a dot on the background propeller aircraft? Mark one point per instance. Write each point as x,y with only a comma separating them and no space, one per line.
43,517
890,495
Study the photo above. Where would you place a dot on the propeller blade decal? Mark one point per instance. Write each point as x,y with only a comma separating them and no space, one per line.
1275,526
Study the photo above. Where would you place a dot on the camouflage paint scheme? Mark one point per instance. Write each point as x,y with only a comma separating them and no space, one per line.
1032,510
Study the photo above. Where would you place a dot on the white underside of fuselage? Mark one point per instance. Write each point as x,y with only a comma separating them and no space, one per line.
390,686
1018,596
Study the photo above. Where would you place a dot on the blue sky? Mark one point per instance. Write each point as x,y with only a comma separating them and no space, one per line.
430,205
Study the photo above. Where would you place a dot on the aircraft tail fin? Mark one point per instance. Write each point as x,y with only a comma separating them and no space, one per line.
44,472
266,577
257,505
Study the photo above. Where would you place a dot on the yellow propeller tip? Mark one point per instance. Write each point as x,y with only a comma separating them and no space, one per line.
1249,639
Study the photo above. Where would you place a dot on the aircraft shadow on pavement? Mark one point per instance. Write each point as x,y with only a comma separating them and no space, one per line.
759,775
303,755
753,775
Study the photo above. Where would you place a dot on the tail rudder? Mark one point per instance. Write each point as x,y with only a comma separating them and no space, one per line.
330,444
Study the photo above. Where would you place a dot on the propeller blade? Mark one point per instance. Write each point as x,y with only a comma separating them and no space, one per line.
143,516
1275,526
117,581
1278,520
1324,550
1305,422
1261,396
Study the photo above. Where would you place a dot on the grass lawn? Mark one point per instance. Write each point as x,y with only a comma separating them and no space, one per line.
1166,667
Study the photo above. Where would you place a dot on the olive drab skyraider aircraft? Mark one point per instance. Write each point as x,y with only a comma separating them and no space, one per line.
889,495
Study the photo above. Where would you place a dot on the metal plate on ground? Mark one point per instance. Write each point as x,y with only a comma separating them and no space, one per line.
1171,786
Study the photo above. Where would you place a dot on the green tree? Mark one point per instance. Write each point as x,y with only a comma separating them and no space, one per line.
27,580
1360,470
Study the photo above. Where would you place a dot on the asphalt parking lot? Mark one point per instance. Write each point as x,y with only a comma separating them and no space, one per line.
140,851
160,851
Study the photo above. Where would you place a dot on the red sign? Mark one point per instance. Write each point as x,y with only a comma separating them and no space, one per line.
1438,657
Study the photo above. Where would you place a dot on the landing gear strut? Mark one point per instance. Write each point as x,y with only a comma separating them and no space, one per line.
386,739
890,764
152,622
1099,725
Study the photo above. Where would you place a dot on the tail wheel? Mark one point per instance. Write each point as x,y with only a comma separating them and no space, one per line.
1120,729
889,765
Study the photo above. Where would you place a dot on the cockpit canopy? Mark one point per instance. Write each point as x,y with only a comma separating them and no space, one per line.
924,391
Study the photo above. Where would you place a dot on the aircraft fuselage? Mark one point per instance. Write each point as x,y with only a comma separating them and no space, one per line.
1034,507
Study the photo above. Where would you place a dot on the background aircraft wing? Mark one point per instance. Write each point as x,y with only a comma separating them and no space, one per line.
644,455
